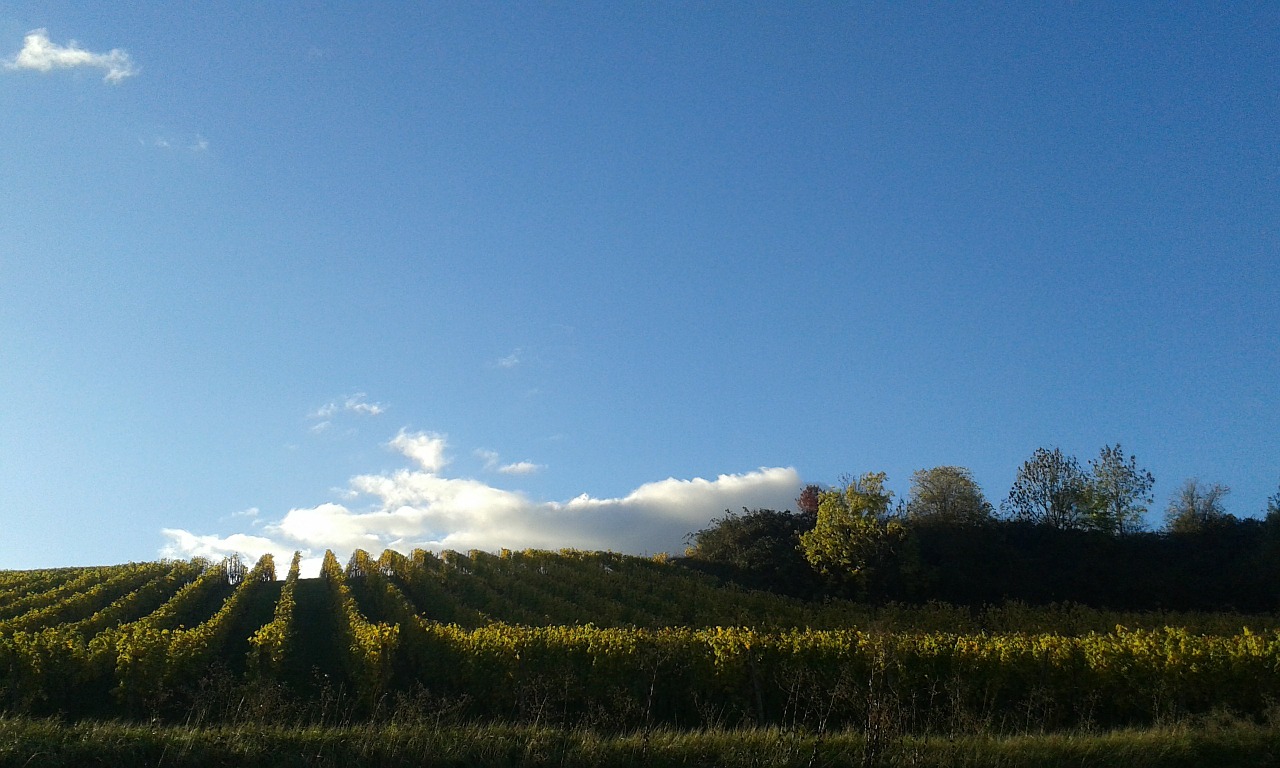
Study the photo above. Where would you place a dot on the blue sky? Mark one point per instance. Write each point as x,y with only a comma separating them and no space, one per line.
311,275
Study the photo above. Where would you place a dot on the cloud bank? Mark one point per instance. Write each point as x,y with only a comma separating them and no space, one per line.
423,507
41,54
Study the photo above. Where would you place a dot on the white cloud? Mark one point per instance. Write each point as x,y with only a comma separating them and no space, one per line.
183,544
420,507
356,403
198,144
326,526
493,463
42,55
510,361
425,448
520,468
491,458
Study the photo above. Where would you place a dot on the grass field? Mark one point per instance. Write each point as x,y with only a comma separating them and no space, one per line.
25,742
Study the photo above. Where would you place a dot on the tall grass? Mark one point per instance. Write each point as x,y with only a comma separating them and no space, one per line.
27,742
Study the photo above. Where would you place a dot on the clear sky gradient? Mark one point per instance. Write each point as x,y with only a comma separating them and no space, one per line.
300,275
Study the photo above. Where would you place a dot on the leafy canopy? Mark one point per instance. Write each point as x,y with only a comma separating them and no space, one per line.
855,535
947,495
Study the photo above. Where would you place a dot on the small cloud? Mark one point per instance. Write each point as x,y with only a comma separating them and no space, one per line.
320,427
520,468
511,360
426,448
490,458
357,404
348,404
41,54
493,463
250,514
198,145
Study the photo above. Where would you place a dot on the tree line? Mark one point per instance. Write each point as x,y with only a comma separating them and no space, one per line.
1066,532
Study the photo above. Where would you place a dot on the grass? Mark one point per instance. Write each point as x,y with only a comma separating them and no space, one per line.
30,742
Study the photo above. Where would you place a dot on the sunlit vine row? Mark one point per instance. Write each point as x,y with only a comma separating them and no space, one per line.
146,656
273,642
413,659
140,602
211,585
81,604
54,662
368,648
61,589
192,648
17,585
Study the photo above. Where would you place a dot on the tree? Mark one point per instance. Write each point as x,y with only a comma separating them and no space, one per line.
1117,492
762,547
235,569
1273,507
1196,507
1050,489
855,537
946,495
808,500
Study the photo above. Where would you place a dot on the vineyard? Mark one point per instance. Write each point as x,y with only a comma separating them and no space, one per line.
600,640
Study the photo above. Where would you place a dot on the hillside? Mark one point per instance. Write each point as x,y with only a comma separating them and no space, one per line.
598,639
